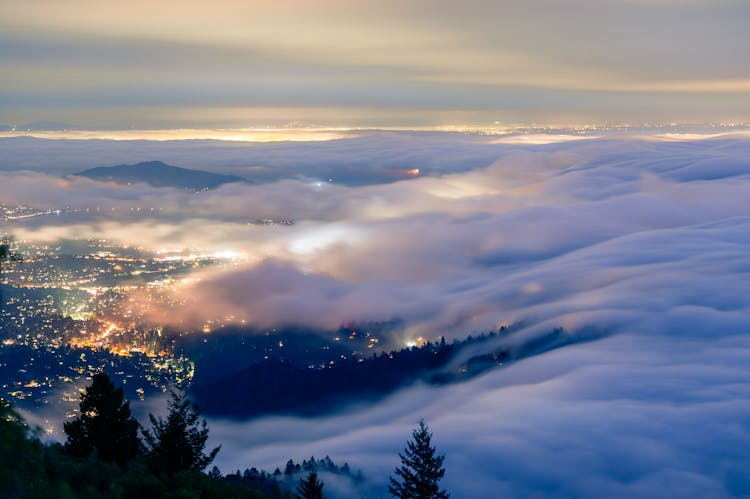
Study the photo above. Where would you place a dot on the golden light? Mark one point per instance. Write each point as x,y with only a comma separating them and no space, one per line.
418,342
234,135
111,327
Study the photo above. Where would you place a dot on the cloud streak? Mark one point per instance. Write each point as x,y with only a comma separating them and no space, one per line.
311,60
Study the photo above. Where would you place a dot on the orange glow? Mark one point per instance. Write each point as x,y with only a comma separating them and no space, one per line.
413,171
112,326
122,352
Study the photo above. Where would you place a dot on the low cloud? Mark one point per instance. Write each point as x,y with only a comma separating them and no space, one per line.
631,415
648,240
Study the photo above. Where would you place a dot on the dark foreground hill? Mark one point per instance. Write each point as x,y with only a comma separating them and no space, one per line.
158,174
280,386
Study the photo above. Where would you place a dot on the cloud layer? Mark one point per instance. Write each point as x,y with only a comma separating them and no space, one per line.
648,240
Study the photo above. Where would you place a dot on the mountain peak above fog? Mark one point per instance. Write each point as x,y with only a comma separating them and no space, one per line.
159,174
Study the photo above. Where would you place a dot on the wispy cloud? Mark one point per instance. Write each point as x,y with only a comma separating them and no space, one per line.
313,61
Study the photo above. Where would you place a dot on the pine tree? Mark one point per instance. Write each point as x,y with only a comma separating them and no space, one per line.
23,471
310,487
7,254
421,469
105,424
289,468
176,443
215,473
4,252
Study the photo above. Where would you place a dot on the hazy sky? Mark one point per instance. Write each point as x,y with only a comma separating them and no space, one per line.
237,63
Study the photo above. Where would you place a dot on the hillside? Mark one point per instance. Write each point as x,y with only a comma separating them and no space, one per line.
281,386
159,174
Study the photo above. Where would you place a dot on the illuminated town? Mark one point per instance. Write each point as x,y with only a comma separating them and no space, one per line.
73,308
68,315
70,311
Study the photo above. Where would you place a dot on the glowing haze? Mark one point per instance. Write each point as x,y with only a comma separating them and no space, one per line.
372,63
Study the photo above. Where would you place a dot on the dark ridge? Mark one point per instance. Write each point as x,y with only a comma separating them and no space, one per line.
159,174
278,386
233,349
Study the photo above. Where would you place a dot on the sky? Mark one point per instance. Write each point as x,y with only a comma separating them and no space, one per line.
235,64
644,238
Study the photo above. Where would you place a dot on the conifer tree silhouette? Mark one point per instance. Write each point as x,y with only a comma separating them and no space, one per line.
105,424
310,487
421,469
176,443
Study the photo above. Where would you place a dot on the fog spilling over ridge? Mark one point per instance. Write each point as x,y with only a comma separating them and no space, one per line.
646,240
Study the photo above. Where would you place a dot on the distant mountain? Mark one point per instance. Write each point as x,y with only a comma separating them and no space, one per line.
158,174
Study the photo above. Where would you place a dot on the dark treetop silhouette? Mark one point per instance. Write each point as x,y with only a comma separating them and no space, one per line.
105,424
310,487
176,443
421,469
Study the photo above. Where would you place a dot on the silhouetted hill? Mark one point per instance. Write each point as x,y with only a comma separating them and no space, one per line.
158,174
234,348
276,385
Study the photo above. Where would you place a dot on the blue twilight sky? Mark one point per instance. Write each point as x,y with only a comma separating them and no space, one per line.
373,63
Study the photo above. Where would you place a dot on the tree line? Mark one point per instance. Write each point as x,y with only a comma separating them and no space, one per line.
282,386
107,453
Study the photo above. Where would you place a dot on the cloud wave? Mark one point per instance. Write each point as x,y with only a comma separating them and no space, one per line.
648,240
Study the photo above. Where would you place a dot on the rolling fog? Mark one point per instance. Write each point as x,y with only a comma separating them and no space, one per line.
644,238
